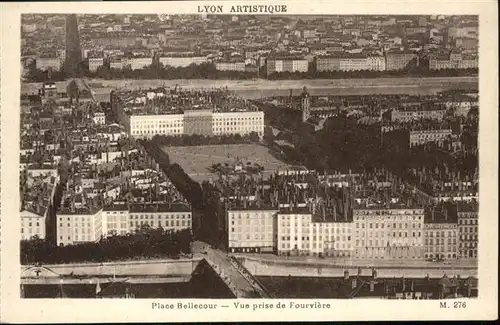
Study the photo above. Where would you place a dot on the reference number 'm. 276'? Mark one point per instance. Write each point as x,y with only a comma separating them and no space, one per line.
454,304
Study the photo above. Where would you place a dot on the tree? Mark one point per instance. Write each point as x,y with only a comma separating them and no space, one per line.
254,137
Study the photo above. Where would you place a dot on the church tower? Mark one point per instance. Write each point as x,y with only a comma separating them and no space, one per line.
305,105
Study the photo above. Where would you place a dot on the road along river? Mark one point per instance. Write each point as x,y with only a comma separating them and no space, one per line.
385,269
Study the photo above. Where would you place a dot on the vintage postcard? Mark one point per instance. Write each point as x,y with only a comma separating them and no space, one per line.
243,161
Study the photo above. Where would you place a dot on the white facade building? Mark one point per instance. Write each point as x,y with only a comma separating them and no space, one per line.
147,126
389,233
251,231
182,61
230,66
99,118
238,123
115,221
174,218
294,233
139,63
78,227
95,63
32,224
420,137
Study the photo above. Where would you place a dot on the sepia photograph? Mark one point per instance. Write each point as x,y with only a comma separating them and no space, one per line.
249,156
192,161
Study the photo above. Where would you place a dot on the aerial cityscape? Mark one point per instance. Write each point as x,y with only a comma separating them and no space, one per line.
220,156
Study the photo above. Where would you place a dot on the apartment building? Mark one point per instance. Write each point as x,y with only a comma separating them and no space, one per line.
286,65
453,61
408,115
32,224
294,233
139,63
399,60
338,238
95,63
182,61
230,66
302,233
99,118
115,220
251,230
420,137
350,63
174,217
388,233
78,226
441,239
118,63
468,228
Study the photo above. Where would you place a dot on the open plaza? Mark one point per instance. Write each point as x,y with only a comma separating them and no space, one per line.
198,160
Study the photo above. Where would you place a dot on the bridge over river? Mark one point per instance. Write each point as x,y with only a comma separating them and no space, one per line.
204,266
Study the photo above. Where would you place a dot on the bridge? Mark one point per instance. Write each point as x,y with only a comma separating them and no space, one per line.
238,280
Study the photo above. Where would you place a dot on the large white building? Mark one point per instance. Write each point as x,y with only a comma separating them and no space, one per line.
389,233
287,65
251,230
147,126
301,233
182,61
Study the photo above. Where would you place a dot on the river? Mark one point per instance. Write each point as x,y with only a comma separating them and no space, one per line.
252,89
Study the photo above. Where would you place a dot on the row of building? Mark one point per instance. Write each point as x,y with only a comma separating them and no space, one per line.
74,226
340,61
373,233
453,61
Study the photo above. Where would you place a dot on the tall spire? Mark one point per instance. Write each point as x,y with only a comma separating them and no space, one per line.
73,54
